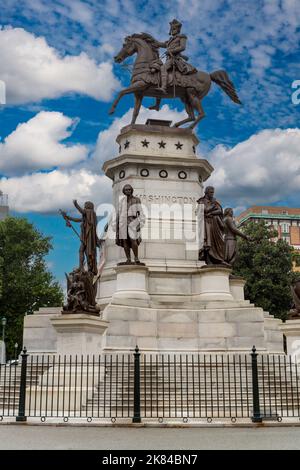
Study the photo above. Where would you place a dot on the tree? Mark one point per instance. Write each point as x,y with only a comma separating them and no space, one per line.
26,282
266,265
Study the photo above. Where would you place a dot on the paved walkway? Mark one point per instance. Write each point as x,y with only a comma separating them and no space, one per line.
73,437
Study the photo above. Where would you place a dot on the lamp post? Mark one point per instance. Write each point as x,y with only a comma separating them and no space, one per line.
3,351
16,350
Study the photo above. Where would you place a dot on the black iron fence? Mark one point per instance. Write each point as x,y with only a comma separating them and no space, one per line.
139,387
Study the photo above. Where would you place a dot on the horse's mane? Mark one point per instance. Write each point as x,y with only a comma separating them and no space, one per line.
147,38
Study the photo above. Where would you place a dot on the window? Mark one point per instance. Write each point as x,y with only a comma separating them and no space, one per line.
285,228
264,211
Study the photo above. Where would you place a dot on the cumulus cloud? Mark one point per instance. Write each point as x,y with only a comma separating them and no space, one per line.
36,145
32,70
46,192
106,146
263,169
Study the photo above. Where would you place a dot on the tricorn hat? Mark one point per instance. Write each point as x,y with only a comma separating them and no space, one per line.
175,23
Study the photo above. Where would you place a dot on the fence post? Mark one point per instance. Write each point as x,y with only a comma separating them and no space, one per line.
137,387
22,395
256,418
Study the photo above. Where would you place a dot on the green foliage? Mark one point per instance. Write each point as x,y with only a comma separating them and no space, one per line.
26,282
266,266
296,258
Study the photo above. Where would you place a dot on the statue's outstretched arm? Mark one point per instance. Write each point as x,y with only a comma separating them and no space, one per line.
78,207
235,230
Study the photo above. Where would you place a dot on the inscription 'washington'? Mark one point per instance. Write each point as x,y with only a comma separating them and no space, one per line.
171,199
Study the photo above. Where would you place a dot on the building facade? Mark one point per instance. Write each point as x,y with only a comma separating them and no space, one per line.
286,220
4,209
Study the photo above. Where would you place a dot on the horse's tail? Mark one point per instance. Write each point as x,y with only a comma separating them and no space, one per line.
221,78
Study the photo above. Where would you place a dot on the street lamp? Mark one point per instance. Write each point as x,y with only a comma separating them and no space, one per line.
16,350
3,352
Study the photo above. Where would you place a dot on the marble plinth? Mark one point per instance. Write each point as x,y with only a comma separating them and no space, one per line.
132,280
291,330
213,283
39,336
237,285
79,333
217,318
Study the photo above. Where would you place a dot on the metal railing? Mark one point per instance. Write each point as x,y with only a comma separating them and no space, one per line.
137,387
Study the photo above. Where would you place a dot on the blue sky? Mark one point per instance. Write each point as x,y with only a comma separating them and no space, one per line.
56,59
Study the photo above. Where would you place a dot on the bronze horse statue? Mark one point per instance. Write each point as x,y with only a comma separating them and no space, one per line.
191,89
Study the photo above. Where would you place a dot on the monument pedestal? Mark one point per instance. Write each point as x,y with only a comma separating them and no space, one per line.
132,282
174,303
210,321
213,283
237,285
291,330
79,333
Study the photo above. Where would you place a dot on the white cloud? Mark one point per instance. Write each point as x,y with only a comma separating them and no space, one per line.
36,145
263,169
33,70
107,147
47,192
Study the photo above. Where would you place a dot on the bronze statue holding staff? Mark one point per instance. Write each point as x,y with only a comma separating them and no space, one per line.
88,235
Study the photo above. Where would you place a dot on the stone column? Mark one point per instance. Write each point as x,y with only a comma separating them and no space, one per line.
132,282
212,283
237,285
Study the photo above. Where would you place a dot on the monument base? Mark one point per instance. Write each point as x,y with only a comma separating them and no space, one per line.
291,330
79,333
216,318
131,282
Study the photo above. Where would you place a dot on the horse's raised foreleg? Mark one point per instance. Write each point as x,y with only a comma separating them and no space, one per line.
190,112
137,106
137,86
196,103
201,114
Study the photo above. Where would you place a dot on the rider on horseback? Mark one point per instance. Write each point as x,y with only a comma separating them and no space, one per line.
175,60
190,85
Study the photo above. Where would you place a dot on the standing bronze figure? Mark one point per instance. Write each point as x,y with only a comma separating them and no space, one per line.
175,78
295,310
231,234
130,219
81,282
88,236
210,213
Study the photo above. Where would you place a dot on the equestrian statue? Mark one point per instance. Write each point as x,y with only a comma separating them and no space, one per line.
173,78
